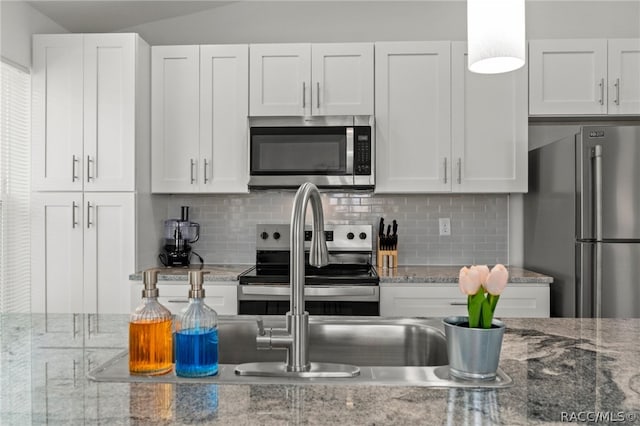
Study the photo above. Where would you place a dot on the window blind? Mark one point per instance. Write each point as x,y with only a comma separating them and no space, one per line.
15,120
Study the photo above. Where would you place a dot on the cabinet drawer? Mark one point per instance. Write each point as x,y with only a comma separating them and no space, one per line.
223,298
441,300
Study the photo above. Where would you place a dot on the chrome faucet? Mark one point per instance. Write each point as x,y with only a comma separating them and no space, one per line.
295,337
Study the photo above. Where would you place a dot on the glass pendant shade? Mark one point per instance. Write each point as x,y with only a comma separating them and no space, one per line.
496,35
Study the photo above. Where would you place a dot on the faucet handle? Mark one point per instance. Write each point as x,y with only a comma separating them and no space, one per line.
261,331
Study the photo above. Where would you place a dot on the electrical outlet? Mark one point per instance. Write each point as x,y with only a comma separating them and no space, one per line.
445,226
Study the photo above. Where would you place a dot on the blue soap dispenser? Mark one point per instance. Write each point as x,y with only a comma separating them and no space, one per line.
196,334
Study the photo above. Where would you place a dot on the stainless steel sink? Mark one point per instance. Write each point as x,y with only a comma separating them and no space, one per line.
388,351
361,341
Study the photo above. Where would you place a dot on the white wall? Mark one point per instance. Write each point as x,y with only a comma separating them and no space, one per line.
19,22
333,21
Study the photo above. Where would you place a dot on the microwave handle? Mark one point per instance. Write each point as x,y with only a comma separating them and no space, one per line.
349,170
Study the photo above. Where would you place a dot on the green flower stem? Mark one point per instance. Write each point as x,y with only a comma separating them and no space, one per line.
487,313
493,300
474,307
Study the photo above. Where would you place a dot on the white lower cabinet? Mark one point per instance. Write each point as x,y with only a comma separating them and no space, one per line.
83,249
442,300
221,297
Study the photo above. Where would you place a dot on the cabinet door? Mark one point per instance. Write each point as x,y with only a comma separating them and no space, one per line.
224,90
109,112
624,76
342,79
568,77
109,251
279,79
489,129
57,113
175,108
413,102
56,252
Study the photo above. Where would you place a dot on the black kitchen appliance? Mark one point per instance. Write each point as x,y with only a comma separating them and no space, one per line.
349,285
179,234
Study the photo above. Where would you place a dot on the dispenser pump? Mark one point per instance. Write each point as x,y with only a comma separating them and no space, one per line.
196,279
150,280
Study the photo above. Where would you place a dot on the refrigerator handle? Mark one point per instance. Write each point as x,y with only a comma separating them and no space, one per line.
596,157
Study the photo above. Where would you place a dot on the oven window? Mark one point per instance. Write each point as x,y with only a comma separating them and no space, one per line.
314,307
308,151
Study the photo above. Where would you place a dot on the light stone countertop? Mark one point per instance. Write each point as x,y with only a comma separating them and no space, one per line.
449,274
402,274
562,369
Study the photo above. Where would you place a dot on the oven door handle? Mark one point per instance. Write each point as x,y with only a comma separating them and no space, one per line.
309,291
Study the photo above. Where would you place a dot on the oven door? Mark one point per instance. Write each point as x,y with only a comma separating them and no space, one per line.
290,156
319,300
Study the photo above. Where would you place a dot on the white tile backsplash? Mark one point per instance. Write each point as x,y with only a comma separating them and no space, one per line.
479,223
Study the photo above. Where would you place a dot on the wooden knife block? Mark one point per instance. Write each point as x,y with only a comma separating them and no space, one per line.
392,255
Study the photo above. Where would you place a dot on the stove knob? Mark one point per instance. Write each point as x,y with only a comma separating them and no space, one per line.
276,235
264,235
363,236
350,236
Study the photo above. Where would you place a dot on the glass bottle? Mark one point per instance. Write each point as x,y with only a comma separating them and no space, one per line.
196,335
150,339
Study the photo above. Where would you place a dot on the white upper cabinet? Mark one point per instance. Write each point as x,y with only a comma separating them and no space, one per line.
224,109
84,112
199,119
624,76
441,128
413,117
584,77
489,128
311,79
175,97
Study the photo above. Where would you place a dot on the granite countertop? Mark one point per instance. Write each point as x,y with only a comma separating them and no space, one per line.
567,370
449,274
402,274
215,272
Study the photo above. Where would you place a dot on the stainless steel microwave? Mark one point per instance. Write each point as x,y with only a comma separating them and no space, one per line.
328,156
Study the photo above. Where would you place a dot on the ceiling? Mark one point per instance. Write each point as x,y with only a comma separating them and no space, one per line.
114,15
106,16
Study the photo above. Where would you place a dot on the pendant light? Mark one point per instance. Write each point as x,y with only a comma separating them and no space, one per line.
496,35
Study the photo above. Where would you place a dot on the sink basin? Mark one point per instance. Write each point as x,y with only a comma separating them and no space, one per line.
361,341
387,351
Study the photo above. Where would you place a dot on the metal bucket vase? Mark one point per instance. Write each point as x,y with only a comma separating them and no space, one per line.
474,353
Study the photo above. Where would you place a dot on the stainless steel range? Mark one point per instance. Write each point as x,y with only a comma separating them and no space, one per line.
349,285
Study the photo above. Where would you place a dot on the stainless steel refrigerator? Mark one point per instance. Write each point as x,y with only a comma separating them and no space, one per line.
582,221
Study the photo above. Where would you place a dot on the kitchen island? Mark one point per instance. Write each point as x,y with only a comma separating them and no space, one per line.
563,370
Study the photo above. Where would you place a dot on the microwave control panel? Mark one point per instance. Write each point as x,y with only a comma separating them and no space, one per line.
362,151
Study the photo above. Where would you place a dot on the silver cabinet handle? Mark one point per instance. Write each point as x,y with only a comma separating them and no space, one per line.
318,94
601,91
617,85
178,301
206,164
89,207
74,222
89,163
304,95
445,169
459,170
458,303
74,176
192,174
